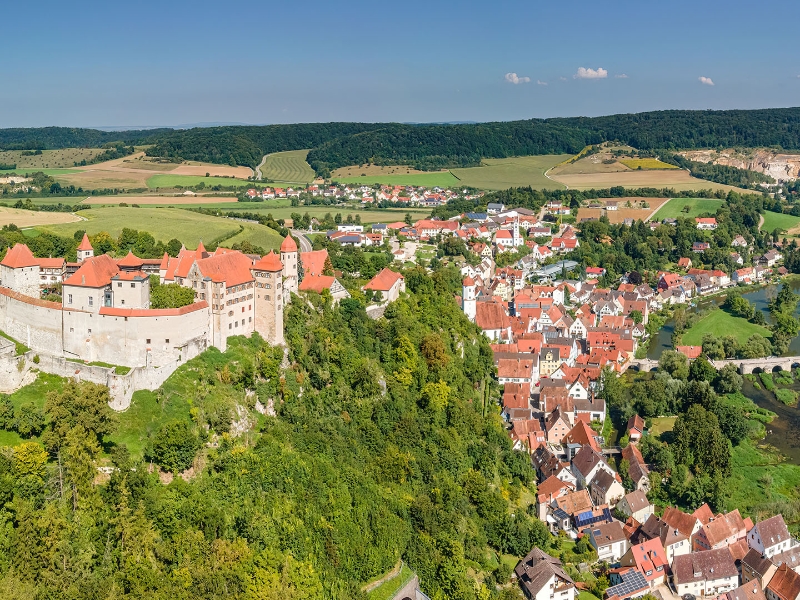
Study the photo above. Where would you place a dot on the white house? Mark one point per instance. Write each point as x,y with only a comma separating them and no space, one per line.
770,537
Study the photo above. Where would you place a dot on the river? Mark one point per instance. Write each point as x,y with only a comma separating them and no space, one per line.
760,298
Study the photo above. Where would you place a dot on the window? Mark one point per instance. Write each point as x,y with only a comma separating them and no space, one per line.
250,320
243,309
91,301
90,331
69,299
133,285
230,325
267,297
71,329
123,302
230,313
148,340
119,284
166,341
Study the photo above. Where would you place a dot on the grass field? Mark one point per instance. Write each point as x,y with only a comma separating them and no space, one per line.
289,167
167,223
161,200
443,179
49,159
503,173
31,218
720,323
373,170
773,220
674,208
676,179
52,172
618,216
182,181
388,589
646,163
662,425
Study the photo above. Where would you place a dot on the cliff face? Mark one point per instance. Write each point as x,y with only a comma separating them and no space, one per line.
782,167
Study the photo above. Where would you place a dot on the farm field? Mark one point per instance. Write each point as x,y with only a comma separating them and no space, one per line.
676,179
674,208
387,215
373,170
443,179
160,200
174,181
618,216
52,172
288,167
646,163
503,173
48,159
165,224
720,323
31,218
773,220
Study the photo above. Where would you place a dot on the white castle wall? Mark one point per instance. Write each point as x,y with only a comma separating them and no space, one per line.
35,323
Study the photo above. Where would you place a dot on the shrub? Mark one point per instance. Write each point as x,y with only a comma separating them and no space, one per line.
174,446
788,397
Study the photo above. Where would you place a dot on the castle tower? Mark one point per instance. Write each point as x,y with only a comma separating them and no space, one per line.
468,298
289,260
85,249
269,298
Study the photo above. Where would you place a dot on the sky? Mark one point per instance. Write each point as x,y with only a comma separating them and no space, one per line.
175,62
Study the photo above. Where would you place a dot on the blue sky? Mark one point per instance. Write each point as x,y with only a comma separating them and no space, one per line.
175,62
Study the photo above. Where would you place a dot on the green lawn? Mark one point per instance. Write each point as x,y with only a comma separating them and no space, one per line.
773,220
503,173
182,181
587,596
163,223
388,589
443,179
35,393
674,208
661,425
288,167
720,323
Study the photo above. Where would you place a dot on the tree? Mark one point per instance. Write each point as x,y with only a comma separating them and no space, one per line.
700,443
728,380
701,370
82,404
674,363
636,316
635,278
174,445
169,295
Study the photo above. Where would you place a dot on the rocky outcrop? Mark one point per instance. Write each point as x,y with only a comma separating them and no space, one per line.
781,167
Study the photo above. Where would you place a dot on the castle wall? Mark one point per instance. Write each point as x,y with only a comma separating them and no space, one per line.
134,337
36,323
24,280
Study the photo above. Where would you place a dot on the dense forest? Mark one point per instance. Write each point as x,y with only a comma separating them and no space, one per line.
439,146
382,446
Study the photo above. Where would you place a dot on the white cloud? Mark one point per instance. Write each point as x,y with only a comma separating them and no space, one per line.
538,82
516,79
621,76
564,78
584,73
705,80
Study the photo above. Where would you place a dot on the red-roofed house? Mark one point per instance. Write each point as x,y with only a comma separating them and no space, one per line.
706,223
691,352
19,271
388,283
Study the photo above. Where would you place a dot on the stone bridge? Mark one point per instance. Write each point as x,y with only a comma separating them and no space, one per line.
745,366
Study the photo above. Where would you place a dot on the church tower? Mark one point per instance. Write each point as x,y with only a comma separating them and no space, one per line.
468,298
85,249
289,259
269,298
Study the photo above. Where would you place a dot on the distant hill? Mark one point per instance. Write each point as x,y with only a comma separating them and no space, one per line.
436,146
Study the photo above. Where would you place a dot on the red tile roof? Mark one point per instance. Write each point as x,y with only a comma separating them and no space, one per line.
232,268
130,275
95,272
491,315
269,262
288,245
313,262
153,312
383,281
690,351
18,257
51,263
130,261
85,243
29,300
316,283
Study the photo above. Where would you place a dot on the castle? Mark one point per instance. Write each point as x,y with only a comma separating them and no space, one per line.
105,312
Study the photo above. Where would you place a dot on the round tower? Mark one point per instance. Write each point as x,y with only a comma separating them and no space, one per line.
468,298
289,259
85,249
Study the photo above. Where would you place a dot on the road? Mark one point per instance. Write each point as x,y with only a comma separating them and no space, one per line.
305,243
261,164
